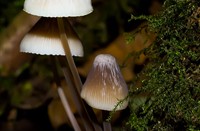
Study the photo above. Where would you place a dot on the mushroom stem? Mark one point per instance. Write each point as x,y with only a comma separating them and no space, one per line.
106,125
84,110
88,122
78,102
68,55
68,110
64,99
76,81
75,96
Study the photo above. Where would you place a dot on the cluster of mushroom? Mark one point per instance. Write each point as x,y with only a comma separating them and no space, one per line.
52,35
44,38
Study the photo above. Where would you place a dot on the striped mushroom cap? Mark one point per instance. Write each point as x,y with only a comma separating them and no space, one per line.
105,86
58,8
44,39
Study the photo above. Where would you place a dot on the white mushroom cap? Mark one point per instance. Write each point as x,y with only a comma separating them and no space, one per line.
58,8
44,39
105,86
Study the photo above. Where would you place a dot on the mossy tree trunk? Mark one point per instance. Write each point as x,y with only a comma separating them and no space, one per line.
173,73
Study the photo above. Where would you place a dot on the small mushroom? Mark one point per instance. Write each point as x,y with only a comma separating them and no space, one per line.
105,86
44,39
58,8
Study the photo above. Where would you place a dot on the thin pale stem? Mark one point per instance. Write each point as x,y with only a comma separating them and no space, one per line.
68,55
78,102
87,111
68,110
106,125
87,123
63,99
76,78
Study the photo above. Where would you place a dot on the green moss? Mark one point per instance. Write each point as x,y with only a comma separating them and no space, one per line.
173,74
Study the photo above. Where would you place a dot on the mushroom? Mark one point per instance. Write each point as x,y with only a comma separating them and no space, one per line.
44,39
105,86
55,8
59,9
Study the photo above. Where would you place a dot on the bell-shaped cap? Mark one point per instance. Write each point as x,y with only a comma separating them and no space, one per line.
58,8
44,39
105,86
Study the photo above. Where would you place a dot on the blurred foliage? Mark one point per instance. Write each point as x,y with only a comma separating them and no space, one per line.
8,10
107,21
172,77
31,80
